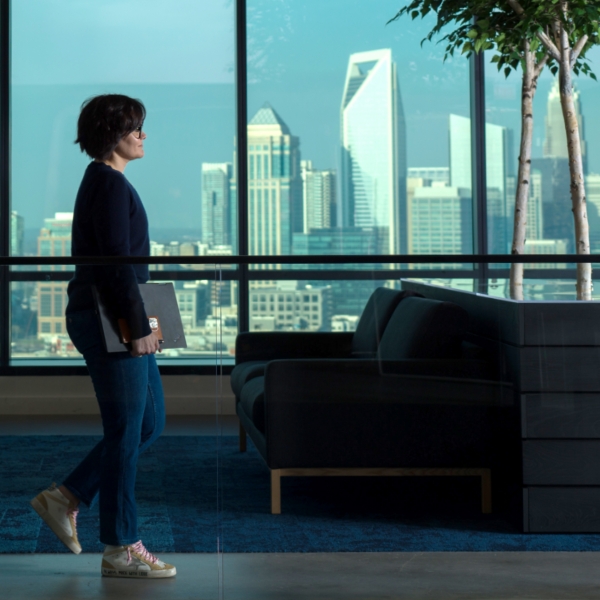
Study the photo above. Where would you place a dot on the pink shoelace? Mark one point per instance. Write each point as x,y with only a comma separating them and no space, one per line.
139,548
73,512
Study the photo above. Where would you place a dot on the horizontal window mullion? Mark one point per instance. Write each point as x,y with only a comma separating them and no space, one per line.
221,261
321,274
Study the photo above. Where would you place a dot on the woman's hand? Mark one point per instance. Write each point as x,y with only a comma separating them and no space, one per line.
145,345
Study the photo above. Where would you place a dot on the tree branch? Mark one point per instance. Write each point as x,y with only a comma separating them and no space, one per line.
514,4
576,51
540,66
549,45
542,36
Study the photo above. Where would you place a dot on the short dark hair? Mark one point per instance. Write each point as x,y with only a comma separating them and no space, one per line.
104,120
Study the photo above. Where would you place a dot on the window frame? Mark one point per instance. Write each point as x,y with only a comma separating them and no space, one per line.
481,272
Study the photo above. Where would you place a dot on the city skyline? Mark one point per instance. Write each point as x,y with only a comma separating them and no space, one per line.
298,200
294,209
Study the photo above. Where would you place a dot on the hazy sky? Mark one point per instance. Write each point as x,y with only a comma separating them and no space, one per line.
122,41
178,57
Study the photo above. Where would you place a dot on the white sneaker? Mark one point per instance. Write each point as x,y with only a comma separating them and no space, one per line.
60,515
134,560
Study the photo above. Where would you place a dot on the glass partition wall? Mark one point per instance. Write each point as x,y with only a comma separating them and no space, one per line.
299,155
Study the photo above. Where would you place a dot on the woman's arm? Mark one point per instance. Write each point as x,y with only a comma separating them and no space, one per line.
117,283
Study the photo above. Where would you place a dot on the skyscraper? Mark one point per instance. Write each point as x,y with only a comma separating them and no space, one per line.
275,187
555,142
374,147
318,197
535,214
17,232
54,240
556,198
216,203
440,221
499,163
497,153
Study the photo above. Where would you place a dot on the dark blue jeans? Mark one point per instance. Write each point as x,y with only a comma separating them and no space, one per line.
130,395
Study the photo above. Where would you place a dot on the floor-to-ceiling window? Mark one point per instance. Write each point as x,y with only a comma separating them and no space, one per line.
358,141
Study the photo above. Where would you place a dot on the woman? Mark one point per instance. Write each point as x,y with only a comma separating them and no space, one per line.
110,220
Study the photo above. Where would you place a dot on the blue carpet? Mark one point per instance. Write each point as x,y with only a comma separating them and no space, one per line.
179,488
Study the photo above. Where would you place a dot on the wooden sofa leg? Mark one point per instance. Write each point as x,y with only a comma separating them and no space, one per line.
486,491
275,491
242,438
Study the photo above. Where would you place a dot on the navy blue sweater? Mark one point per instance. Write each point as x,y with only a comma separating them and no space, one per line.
110,220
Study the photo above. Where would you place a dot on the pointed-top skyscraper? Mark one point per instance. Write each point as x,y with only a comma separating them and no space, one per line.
374,147
275,184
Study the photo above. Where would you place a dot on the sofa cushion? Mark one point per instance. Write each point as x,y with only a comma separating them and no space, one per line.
244,372
424,328
374,319
252,402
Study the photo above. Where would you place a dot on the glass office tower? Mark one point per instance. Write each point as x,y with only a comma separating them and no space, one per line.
374,147
440,221
318,197
216,204
498,148
275,184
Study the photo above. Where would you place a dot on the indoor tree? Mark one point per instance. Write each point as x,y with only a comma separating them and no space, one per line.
527,34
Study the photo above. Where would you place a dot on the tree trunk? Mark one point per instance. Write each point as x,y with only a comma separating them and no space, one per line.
524,174
582,234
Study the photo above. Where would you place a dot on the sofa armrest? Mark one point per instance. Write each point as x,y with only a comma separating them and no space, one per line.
272,345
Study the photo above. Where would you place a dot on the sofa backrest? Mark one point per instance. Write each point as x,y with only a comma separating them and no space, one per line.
374,319
424,328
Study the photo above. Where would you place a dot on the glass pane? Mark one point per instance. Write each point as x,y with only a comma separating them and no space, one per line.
359,138
181,67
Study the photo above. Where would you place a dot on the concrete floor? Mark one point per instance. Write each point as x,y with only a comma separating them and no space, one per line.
347,576
350,576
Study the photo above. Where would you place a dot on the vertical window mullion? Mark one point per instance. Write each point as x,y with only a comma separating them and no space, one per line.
5,288
242,161
478,166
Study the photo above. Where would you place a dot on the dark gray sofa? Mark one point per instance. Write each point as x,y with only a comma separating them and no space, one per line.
404,395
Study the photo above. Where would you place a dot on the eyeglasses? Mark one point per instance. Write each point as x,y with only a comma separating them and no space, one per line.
137,132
